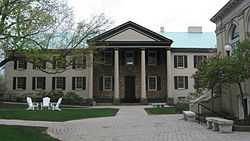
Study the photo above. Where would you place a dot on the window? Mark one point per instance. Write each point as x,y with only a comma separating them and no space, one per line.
152,83
78,83
79,62
152,58
180,61
108,58
58,83
38,83
234,35
198,59
19,83
20,64
130,57
181,82
107,83
59,62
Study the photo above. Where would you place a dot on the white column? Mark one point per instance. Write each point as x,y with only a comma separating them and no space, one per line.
169,74
90,76
116,75
143,77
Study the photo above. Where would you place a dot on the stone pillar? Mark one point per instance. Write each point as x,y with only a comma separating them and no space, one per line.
169,77
143,78
116,78
90,78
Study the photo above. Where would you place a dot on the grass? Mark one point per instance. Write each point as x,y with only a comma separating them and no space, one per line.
21,133
158,111
9,111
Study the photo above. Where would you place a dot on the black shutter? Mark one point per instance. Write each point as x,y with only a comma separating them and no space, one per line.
195,61
146,83
84,83
73,83
175,82
73,63
64,83
158,56
113,83
158,83
186,82
185,61
84,62
14,83
175,61
24,86
53,83
33,83
15,64
101,83
44,83
54,62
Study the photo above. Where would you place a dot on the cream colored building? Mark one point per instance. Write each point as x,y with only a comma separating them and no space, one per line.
139,65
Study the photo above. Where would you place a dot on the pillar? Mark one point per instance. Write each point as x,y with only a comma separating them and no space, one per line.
116,78
143,78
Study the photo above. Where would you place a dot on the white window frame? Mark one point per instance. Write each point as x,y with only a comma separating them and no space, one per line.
76,83
17,79
155,59
111,83
178,80
36,86
18,63
183,61
155,78
56,80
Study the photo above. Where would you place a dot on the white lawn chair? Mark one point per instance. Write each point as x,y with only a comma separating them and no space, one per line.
55,106
45,103
31,105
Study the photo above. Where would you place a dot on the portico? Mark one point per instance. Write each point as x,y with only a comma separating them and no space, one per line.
134,66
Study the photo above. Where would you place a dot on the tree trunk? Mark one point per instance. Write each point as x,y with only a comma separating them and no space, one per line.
242,98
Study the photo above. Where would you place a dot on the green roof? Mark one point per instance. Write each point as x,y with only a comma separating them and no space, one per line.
191,40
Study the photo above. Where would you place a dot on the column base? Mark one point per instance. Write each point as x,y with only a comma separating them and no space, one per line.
144,101
116,101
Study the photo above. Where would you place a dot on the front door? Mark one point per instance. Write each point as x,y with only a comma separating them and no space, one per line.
130,89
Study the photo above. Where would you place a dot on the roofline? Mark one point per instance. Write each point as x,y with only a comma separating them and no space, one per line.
230,4
116,29
194,50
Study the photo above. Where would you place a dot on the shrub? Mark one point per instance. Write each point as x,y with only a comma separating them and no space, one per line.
182,106
55,95
72,98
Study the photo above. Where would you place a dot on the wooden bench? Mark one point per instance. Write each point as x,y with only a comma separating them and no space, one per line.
189,115
219,124
158,105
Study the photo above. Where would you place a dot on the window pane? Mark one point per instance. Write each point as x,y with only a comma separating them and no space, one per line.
79,82
60,82
21,82
180,82
180,61
40,82
107,83
152,83
152,58
21,63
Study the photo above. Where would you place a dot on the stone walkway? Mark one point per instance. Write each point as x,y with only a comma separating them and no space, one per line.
132,124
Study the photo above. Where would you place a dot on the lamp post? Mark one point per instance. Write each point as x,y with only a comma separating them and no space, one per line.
228,49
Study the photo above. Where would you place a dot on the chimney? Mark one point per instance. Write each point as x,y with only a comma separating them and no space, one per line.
162,30
195,29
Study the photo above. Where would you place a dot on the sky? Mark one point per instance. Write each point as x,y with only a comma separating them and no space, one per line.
173,15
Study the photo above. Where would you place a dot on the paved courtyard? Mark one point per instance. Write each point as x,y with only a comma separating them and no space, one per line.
133,124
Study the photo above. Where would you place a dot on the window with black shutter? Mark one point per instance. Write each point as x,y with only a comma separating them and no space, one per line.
198,59
58,83
19,83
38,83
21,64
79,83
180,61
181,82
152,83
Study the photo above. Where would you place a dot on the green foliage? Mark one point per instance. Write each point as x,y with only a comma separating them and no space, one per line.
72,98
21,133
164,110
182,106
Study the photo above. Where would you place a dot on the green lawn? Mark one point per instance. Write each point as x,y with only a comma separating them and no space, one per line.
21,133
20,112
165,110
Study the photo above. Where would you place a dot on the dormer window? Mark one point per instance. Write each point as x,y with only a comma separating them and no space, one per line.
130,58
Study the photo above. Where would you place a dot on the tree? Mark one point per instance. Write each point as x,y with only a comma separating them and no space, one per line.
32,27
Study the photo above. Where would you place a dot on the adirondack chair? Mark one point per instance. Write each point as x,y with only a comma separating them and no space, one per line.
55,105
31,105
45,103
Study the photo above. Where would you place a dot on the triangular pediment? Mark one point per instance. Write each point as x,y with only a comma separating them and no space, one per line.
130,32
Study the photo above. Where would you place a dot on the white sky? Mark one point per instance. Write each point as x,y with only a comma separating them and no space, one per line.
174,15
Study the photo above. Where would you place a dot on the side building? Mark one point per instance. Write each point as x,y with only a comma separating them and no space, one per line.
130,64
233,26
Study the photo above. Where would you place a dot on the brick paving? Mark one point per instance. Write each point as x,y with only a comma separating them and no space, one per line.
132,124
